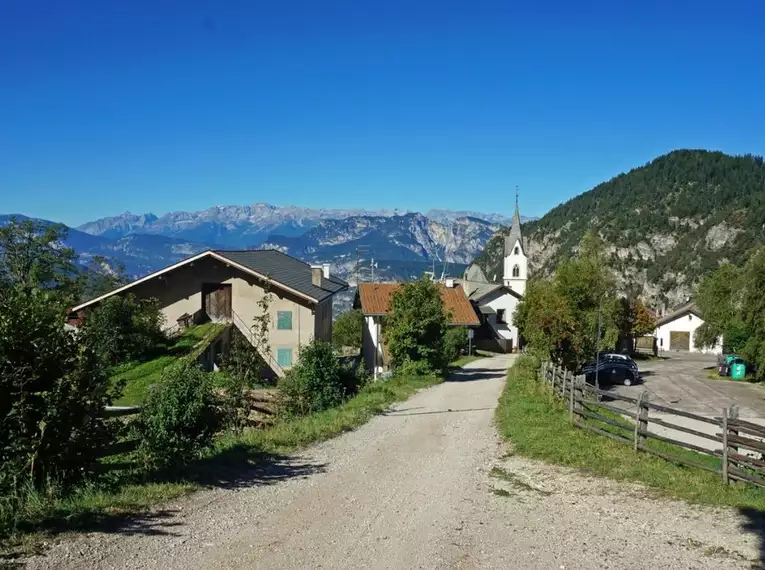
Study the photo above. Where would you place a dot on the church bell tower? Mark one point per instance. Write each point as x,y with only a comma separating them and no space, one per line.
516,263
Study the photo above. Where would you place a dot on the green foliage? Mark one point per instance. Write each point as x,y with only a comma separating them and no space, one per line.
414,331
670,196
347,329
558,318
31,255
455,343
540,428
101,276
316,382
128,328
53,388
179,418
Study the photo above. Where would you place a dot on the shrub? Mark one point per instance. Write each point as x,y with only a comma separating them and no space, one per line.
53,388
415,329
180,417
455,342
127,328
347,329
316,382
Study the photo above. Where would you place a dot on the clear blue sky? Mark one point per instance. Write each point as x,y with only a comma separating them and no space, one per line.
159,105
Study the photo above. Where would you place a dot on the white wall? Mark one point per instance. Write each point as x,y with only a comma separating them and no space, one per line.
685,323
370,345
512,259
508,302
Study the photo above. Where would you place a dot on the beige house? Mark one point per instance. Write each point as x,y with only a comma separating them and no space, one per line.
227,285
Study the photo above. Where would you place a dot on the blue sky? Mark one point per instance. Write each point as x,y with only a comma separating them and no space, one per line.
160,105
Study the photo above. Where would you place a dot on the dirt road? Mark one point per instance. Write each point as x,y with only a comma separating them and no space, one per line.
414,488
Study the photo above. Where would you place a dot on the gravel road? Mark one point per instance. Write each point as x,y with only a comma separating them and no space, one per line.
427,485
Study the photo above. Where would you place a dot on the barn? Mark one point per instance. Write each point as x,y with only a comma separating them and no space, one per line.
675,330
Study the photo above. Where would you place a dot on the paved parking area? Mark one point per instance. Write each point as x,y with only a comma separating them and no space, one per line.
682,381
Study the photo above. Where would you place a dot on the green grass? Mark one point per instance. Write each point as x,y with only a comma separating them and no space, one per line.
540,428
468,358
129,490
138,376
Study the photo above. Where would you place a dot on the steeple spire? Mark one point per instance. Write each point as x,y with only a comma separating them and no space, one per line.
514,236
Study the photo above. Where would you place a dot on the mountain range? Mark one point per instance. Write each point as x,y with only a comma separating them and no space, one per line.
402,244
664,224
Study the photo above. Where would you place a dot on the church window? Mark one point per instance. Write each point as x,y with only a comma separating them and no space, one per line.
516,271
515,251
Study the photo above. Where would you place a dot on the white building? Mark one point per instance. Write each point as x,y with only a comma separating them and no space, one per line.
516,270
496,303
675,331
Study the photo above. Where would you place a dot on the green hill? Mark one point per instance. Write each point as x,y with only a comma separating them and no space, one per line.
665,223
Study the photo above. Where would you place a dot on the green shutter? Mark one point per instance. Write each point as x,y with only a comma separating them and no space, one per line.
284,320
284,356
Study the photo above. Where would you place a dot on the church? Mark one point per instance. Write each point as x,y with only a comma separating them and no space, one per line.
495,303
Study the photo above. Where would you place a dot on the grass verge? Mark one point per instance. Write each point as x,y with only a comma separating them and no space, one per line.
138,376
233,461
540,428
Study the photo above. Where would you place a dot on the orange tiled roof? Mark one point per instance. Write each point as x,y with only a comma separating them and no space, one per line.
375,299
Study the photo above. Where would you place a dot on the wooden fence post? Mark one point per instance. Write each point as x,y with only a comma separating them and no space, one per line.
725,445
577,398
641,420
571,398
733,415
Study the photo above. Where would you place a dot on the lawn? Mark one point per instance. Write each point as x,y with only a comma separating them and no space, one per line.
138,376
541,429
468,358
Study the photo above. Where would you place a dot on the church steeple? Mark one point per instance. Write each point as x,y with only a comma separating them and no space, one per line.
515,229
516,264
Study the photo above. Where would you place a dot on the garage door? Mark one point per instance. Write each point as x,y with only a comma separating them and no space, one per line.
679,340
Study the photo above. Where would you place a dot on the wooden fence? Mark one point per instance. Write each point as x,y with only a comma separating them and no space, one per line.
738,445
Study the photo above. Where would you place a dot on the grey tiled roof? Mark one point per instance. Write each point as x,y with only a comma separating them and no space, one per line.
286,270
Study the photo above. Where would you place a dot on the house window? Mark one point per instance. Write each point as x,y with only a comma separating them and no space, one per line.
500,315
284,356
284,320
516,271
516,250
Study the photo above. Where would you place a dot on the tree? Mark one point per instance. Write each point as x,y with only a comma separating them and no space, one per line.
315,383
128,328
718,300
347,329
32,255
101,276
455,341
643,319
53,388
414,330
558,318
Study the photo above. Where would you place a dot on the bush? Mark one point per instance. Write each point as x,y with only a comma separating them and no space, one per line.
414,330
180,417
53,388
127,328
316,382
455,342
347,329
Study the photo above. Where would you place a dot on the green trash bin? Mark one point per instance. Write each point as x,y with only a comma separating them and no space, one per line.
738,370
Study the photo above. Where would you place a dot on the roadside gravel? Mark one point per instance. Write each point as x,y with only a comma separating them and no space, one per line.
427,485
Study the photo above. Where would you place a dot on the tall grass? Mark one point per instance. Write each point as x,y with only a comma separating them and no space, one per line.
539,427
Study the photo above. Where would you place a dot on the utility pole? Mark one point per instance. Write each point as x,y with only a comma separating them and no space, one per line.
597,347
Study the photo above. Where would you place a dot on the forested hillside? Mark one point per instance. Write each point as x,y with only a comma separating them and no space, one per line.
665,224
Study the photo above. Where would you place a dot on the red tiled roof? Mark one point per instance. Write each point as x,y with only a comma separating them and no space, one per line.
375,300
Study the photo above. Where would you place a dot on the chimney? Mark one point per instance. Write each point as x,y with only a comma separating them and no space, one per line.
316,274
325,270
450,283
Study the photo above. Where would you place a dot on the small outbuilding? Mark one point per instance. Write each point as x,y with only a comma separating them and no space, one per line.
675,331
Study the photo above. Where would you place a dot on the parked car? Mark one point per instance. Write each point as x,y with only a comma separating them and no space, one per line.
612,368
